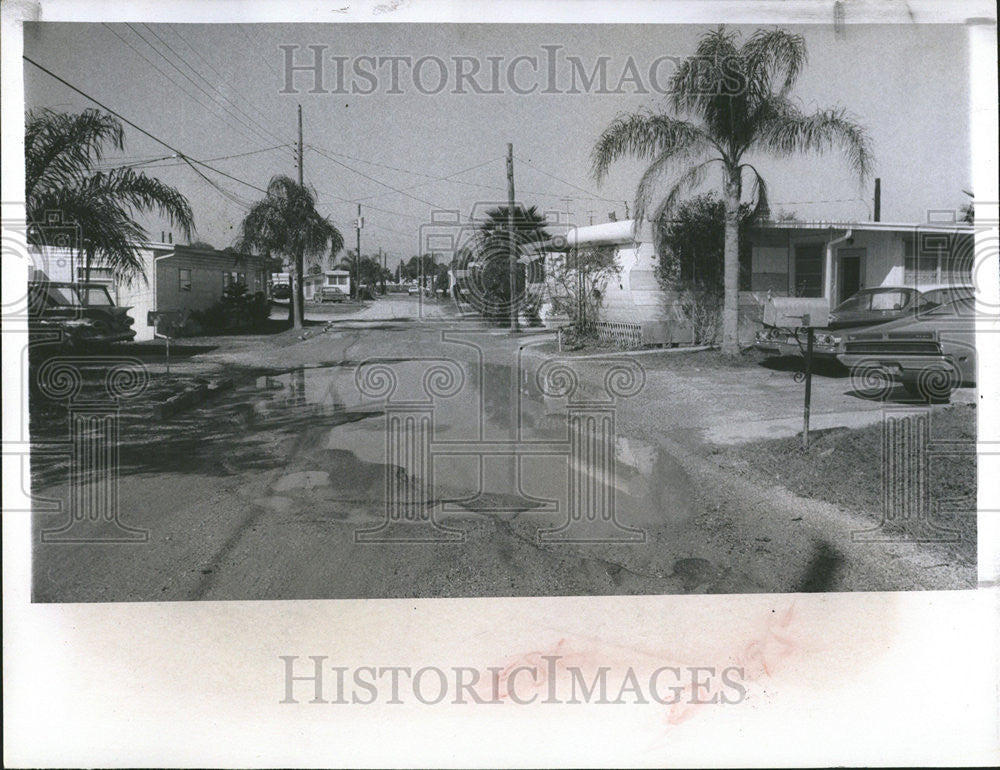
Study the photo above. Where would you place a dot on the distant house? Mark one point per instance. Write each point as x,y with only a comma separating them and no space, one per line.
338,279
179,278
313,283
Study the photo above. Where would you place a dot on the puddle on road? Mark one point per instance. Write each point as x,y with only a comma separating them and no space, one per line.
429,440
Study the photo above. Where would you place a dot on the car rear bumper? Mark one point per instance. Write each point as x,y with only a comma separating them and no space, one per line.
903,369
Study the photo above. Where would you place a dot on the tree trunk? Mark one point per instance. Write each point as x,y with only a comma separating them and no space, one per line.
731,262
87,258
298,293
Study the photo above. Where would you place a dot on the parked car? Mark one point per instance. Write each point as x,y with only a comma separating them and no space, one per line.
332,294
942,295
84,313
868,307
281,291
413,291
930,355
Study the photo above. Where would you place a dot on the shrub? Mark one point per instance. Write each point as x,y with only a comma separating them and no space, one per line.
238,309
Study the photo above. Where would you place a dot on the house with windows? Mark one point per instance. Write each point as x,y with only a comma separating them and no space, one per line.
832,260
178,278
835,260
337,280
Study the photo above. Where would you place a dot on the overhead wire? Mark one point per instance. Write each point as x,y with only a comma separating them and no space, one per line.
241,121
250,118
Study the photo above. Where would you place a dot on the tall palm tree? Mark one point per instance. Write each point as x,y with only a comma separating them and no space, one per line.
490,290
286,224
62,151
738,96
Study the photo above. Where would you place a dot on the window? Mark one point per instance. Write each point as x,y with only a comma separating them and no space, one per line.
96,274
184,279
809,270
230,277
935,258
889,300
95,296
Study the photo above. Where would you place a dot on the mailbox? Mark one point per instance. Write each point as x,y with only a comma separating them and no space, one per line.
795,312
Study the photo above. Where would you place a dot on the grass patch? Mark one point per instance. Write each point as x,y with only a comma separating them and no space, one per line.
843,467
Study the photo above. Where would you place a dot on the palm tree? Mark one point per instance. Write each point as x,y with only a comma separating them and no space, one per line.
286,224
738,93
62,151
489,290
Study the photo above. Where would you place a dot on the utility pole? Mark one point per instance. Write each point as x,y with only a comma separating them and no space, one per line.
298,297
357,256
569,213
512,257
301,170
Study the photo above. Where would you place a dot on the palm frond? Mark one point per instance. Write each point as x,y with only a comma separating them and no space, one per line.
786,130
761,205
646,135
61,148
690,180
771,54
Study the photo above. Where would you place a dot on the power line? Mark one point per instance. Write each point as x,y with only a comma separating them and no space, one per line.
373,179
450,178
169,79
177,152
222,78
181,162
193,82
559,179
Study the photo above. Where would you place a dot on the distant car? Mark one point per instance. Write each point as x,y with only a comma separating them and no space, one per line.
868,307
85,314
281,291
930,355
332,294
413,291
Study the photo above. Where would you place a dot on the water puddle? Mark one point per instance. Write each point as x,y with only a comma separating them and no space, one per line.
448,447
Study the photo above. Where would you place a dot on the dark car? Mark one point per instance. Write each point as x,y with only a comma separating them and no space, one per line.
877,306
868,307
930,355
281,291
85,314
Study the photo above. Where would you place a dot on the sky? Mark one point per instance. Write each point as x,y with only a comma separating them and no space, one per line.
215,93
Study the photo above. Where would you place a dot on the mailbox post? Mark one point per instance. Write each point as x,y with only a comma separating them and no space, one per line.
798,313
165,324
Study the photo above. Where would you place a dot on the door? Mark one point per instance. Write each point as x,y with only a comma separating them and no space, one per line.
849,273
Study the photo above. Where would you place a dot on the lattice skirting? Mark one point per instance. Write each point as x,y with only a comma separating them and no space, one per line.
623,334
